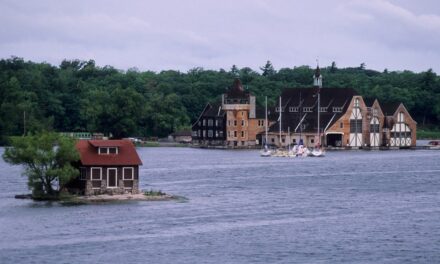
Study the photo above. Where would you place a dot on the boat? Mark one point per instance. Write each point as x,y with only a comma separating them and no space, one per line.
434,144
266,151
318,151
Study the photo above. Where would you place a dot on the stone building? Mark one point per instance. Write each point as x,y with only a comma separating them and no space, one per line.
106,167
235,122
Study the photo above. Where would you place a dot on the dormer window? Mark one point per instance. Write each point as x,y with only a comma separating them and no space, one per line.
337,109
107,150
307,109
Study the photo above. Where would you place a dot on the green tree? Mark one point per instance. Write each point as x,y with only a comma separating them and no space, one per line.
268,69
47,158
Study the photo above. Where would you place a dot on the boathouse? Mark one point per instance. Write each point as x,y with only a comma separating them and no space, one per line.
106,167
346,119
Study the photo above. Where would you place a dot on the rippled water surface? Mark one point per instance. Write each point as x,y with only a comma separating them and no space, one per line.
353,207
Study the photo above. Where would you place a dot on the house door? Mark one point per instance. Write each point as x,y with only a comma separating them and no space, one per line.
112,178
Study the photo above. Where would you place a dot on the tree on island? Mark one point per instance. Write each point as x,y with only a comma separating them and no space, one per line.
47,158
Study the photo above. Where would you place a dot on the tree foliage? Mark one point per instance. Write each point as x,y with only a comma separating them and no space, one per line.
47,158
80,96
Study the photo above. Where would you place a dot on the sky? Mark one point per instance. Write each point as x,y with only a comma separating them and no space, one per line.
179,35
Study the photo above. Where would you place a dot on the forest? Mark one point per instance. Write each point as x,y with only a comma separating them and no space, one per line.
81,96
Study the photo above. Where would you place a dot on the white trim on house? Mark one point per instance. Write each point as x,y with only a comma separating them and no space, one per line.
116,181
123,173
91,173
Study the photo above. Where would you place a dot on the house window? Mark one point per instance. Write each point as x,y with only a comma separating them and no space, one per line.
210,133
127,173
113,150
216,133
235,133
204,133
356,103
242,133
374,112
210,122
341,125
374,128
199,133
242,122
96,174
107,150
82,174
220,134
235,122
312,140
273,140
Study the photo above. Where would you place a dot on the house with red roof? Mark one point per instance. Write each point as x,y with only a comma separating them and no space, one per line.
107,167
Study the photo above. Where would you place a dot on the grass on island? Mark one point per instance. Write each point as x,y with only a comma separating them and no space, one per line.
154,193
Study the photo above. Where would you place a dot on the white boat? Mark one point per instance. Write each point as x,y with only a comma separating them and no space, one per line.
434,144
317,153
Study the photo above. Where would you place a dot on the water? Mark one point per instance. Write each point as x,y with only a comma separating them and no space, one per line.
352,207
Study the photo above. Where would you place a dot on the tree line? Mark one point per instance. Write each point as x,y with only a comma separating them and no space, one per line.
81,96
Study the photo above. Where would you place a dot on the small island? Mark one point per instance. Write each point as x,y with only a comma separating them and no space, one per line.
62,169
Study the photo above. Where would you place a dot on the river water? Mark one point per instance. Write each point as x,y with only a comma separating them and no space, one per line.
349,207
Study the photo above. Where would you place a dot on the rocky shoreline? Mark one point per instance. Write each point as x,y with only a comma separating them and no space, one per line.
105,198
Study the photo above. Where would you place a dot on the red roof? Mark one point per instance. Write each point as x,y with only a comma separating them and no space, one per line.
127,155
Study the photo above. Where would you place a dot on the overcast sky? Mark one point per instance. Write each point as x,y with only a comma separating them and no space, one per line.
180,35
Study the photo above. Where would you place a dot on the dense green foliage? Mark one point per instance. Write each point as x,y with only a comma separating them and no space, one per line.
79,96
47,158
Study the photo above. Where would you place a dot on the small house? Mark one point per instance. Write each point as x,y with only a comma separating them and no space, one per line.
107,167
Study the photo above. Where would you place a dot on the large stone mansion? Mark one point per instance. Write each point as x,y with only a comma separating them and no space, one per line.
346,120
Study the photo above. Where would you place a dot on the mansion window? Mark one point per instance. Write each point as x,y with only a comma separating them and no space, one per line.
235,133
293,109
210,122
242,133
216,123
127,173
374,128
204,122
337,109
210,133
356,126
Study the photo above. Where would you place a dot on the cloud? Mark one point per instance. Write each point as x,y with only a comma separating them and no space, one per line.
174,34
